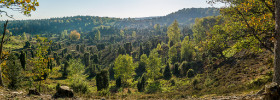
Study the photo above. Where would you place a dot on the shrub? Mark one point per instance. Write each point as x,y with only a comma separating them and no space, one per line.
13,72
104,92
184,68
22,59
102,80
141,65
194,83
58,61
86,59
176,71
92,70
167,73
141,84
153,87
190,73
79,86
66,65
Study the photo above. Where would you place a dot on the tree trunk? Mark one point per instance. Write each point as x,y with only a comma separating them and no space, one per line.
1,51
1,81
276,76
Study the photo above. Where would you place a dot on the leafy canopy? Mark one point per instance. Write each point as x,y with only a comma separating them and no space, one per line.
124,67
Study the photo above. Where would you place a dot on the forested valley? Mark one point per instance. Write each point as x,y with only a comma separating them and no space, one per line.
193,53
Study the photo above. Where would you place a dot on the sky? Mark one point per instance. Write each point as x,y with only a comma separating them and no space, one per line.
108,8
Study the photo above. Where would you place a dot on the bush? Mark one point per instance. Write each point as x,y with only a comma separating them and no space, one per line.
190,73
79,86
66,65
14,72
92,70
141,84
102,80
153,87
22,59
86,59
184,67
104,92
176,71
167,73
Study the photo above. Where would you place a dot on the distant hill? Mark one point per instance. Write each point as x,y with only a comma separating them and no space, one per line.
85,24
184,17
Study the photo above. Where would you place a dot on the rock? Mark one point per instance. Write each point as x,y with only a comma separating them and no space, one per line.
33,91
64,91
272,92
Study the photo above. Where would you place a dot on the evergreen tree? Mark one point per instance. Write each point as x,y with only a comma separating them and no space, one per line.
142,65
102,80
22,58
14,72
66,65
141,84
176,71
86,59
167,73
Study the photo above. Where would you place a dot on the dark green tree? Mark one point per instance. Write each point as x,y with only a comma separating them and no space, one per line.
167,72
86,59
141,84
66,65
22,58
14,72
102,80
176,71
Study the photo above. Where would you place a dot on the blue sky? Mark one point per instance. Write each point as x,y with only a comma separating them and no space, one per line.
109,8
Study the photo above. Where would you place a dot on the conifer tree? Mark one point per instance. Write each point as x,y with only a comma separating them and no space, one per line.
167,72
102,80
22,58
